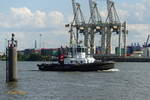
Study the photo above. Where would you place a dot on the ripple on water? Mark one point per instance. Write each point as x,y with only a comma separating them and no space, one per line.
128,81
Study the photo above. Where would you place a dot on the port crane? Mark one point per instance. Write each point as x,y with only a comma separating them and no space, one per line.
95,25
77,25
114,25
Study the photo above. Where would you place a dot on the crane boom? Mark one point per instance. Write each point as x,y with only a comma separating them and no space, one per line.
109,7
75,11
147,40
92,12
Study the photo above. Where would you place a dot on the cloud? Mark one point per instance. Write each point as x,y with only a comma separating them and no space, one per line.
27,25
23,12
136,13
25,18
138,32
56,17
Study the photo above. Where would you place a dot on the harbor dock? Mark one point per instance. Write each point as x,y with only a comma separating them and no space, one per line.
121,59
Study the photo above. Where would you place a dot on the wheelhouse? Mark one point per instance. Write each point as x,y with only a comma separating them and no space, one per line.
75,50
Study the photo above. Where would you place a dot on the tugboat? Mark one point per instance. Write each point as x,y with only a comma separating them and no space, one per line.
76,60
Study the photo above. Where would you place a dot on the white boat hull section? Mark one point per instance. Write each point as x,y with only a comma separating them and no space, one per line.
79,58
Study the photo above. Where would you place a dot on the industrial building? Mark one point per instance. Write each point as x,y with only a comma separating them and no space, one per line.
42,51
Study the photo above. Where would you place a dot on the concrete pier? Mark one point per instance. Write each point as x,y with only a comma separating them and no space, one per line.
120,59
11,62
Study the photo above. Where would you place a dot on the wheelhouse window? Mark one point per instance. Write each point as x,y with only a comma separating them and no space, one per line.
83,49
71,50
79,49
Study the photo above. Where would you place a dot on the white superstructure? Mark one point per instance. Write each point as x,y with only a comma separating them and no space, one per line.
77,55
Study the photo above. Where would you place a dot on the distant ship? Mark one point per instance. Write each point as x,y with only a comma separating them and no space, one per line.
76,60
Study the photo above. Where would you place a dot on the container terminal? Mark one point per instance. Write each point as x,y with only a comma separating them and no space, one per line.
85,32
96,26
135,53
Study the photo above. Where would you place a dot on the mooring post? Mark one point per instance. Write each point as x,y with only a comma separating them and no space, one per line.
11,60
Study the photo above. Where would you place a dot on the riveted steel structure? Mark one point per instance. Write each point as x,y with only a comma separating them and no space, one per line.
95,25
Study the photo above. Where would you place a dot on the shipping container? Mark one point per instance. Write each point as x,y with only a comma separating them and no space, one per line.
98,50
117,51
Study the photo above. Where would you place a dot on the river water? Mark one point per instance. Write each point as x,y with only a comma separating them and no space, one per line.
132,82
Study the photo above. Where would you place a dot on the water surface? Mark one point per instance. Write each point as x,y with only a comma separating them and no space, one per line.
132,82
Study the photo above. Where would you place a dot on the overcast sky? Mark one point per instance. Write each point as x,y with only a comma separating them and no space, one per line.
30,18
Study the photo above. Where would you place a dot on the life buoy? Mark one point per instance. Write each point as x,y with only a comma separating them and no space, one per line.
61,59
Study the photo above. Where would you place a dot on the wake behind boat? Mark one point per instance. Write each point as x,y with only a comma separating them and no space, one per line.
76,60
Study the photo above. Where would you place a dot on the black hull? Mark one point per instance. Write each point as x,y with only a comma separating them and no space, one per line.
77,67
